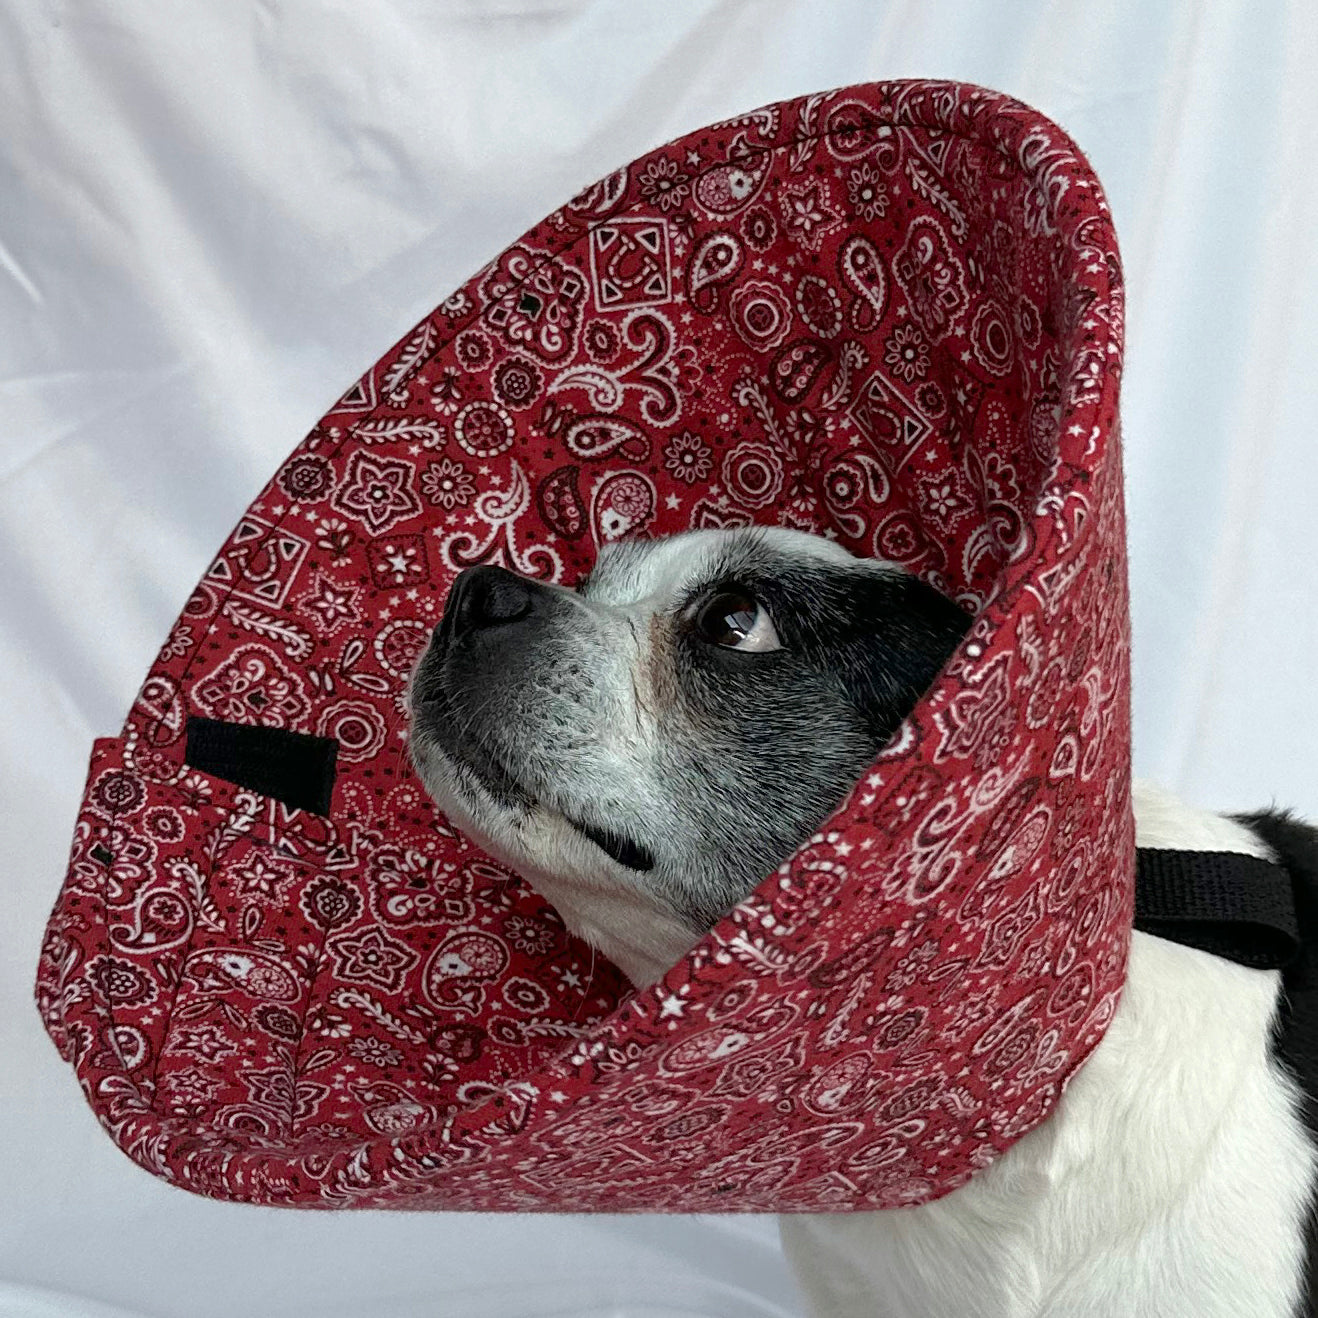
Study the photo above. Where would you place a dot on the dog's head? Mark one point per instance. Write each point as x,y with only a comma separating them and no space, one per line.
646,748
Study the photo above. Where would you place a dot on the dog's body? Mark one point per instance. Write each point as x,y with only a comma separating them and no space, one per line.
1171,1181
644,751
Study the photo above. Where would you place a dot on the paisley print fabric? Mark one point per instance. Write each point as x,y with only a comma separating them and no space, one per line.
891,314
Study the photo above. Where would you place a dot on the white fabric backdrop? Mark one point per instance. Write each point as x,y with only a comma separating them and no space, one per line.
214,216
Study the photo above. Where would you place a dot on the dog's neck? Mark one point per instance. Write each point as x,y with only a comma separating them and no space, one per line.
641,936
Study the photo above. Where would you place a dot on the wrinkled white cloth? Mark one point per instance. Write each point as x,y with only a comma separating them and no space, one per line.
213,217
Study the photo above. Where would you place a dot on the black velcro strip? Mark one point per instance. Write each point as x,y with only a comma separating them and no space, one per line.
292,767
1234,906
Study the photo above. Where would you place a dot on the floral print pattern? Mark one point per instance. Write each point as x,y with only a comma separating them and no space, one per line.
889,314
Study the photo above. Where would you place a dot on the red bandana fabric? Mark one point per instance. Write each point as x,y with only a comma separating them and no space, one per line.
890,314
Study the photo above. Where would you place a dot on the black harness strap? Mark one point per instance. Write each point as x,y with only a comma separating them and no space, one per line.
1256,914
1245,910
1234,906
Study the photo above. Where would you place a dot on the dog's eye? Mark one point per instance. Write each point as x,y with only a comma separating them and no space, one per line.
736,621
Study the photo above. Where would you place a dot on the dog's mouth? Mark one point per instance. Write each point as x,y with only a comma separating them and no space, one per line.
472,757
627,853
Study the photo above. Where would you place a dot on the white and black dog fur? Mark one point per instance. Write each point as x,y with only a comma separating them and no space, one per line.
646,748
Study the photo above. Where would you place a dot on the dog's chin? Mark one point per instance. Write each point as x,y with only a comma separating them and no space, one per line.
601,900
488,807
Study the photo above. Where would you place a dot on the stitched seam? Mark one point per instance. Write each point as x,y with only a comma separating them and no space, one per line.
109,1012
167,1023
312,980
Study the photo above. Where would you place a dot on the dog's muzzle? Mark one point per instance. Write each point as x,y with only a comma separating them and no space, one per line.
484,636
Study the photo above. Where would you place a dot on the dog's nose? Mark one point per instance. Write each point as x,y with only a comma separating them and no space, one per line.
484,597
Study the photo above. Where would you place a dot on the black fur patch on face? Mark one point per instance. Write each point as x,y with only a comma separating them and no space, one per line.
767,744
881,635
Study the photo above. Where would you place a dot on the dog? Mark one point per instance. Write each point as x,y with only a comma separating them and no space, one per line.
646,748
